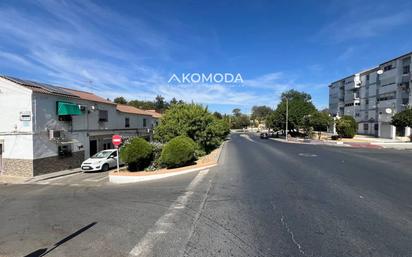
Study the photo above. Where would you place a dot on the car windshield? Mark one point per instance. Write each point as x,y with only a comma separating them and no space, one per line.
102,154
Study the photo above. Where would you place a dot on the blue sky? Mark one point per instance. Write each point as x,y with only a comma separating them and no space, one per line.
131,48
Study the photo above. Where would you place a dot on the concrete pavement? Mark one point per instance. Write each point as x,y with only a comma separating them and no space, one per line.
265,198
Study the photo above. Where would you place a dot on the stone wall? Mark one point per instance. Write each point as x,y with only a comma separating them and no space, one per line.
57,163
17,167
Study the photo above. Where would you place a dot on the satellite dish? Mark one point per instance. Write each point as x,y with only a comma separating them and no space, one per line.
388,110
380,72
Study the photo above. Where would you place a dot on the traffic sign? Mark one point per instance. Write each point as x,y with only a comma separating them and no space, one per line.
116,140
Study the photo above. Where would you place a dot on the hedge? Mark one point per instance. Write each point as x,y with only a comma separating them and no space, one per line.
178,152
137,153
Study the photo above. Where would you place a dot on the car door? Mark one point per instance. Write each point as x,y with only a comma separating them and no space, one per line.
112,160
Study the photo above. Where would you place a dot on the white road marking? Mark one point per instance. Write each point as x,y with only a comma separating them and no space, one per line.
307,155
165,223
247,137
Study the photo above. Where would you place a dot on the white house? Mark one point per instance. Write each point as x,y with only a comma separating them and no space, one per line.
45,128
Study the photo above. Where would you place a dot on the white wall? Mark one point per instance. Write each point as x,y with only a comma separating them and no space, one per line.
17,146
82,126
13,100
16,135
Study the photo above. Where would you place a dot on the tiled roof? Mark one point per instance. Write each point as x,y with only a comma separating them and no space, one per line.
154,113
88,96
132,109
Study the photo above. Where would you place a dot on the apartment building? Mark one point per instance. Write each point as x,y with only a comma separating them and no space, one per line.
44,128
373,96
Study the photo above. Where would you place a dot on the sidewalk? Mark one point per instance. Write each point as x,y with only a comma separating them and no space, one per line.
377,144
25,180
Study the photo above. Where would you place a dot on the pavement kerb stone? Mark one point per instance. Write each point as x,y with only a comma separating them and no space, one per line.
116,178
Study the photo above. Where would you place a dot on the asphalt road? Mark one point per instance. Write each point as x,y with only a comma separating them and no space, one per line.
265,198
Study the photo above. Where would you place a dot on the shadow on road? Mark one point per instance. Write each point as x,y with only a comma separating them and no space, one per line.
44,251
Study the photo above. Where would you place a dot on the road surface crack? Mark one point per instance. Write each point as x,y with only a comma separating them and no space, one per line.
292,236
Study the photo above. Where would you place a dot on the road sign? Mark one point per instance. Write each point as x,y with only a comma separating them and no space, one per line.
116,140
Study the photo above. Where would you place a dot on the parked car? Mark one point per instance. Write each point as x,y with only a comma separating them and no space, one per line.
101,161
264,135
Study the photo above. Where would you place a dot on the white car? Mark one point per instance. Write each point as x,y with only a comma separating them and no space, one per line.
103,161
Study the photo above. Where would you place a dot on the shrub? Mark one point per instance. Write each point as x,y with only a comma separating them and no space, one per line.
346,127
157,151
194,121
335,137
178,152
137,153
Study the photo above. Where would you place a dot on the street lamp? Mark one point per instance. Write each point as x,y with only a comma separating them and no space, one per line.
287,116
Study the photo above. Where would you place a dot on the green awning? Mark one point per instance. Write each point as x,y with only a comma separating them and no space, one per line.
66,108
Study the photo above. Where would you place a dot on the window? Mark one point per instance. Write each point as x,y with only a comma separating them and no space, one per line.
367,77
388,96
406,69
127,122
357,114
387,67
367,101
357,104
376,126
64,151
103,115
144,123
366,126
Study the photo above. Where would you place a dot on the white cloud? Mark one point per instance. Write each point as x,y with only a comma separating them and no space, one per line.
361,23
72,46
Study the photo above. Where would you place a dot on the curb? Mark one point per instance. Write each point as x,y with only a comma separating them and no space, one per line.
337,143
51,177
119,179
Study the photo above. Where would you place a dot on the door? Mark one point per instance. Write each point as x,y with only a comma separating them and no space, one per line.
112,160
93,147
1,158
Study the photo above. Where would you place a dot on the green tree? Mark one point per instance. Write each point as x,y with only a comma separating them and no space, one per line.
192,120
120,100
403,119
318,121
173,101
260,113
236,112
239,122
299,105
145,105
346,127
218,115
274,121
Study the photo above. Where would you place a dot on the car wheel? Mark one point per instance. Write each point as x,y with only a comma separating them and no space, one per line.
105,167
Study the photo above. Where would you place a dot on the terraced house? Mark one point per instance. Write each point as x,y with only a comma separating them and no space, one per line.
46,128
373,96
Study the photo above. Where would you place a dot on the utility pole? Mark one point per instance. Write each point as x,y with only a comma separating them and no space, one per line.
287,114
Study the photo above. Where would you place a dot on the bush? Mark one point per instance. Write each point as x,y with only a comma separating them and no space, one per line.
346,127
335,137
157,151
194,121
137,153
178,152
